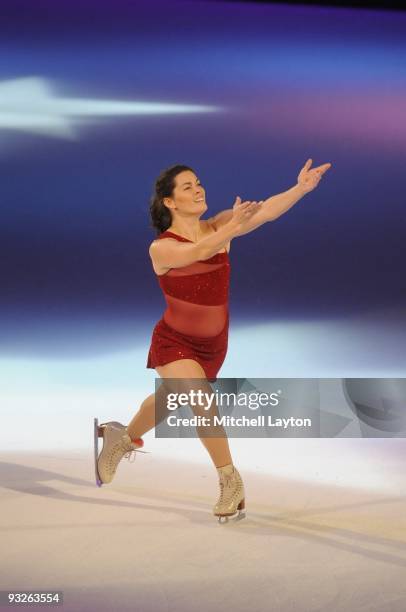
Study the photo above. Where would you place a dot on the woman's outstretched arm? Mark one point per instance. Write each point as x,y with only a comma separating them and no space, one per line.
170,253
274,206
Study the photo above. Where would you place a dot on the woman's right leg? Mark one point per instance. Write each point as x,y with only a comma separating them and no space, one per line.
146,417
144,420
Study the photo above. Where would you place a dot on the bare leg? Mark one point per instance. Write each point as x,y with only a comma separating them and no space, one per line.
144,420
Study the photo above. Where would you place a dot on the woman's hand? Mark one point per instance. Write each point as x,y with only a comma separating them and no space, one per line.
243,211
309,179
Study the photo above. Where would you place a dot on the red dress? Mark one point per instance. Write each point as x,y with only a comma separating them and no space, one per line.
195,322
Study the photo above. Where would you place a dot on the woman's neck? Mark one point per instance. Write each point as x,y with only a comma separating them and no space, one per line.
191,231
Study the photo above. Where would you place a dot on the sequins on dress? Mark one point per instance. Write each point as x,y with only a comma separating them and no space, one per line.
195,322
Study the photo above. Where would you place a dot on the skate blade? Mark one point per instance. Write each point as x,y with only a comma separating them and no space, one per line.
96,451
232,518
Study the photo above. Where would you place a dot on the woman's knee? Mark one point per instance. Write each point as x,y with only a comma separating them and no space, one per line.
184,376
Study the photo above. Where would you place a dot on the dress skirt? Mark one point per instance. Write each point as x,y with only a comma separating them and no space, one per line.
168,345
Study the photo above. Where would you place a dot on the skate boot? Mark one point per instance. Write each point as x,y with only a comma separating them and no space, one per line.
232,495
116,444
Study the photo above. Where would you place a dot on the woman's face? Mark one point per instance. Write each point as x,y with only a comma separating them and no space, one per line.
188,194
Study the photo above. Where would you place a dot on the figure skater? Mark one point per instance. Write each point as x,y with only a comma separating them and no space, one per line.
190,257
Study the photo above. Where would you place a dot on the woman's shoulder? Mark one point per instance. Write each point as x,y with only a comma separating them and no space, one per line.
206,225
156,253
166,234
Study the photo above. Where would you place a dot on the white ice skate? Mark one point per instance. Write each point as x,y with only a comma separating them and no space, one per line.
116,444
231,503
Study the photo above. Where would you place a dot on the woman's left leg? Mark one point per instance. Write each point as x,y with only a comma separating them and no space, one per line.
214,437
216,444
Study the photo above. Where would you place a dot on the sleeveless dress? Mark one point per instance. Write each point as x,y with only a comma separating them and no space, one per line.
196,320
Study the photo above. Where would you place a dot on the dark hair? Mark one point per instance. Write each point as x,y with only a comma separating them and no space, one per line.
161,217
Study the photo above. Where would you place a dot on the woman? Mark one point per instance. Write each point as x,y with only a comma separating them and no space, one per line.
190,259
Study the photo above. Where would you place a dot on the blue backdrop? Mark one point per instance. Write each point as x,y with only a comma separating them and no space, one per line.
262,88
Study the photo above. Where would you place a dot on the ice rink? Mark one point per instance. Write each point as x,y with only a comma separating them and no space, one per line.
325,526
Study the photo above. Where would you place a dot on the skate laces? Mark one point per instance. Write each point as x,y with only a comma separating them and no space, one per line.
124,449
130,452
227,490
130,455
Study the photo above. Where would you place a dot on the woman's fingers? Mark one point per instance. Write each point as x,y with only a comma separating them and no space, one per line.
308,164
247,208
244,206
241,205
323,168
248,204
253,206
